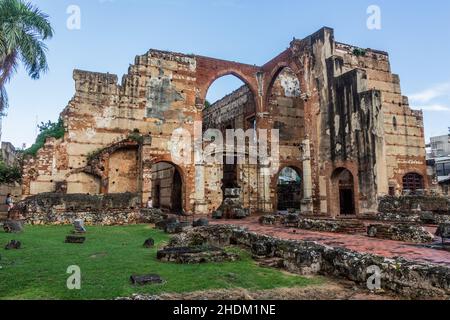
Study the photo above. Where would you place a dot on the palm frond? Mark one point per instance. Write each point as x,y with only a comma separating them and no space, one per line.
23,29
8,66
3,100
32,51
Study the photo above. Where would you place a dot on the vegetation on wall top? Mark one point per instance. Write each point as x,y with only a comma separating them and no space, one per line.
359,52
47,130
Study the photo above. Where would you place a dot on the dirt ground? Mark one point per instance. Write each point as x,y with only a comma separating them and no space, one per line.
331,290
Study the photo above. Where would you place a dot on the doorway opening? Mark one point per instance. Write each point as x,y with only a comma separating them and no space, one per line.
344,182
289,189
167,187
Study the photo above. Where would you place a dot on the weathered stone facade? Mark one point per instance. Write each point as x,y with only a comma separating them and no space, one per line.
344,126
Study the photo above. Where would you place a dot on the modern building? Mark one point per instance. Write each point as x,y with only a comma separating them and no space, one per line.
440,146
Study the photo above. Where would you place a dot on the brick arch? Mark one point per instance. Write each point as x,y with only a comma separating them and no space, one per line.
210,69
274,67
273,76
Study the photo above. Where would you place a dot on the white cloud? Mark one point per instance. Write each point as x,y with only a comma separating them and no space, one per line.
438,91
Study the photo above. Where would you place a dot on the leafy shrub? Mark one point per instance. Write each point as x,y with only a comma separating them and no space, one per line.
136,136
9,174
359,52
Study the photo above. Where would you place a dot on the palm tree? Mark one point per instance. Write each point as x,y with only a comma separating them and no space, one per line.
23,29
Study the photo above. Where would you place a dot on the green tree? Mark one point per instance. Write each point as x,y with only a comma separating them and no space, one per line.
23,30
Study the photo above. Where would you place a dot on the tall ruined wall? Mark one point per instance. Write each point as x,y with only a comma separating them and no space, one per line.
402,128
336,106
355,121
287,115
352,105
156,97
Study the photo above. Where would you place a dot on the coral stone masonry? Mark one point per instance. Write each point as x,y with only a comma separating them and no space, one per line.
344,127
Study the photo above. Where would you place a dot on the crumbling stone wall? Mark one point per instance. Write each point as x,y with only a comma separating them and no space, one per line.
62,209
337,108
414,204
400,232
401,128
155,97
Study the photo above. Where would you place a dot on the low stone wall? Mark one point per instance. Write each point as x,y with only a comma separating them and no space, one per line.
419,218
46,202
322,225
412,279
59,209
107,217
336,226
409,204
400,232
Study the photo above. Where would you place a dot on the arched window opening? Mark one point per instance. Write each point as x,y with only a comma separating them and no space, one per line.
289,189
230,105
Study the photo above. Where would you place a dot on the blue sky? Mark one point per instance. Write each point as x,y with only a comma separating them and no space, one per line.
113,32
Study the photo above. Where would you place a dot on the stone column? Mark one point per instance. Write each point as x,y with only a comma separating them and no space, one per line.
265,203
199,184
200,203
306,206
146,169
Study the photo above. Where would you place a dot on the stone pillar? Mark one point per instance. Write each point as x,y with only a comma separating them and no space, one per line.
306,206
265,201
200,203
200,206
146,170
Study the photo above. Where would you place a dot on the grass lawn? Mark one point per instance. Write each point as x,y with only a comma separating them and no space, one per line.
108,258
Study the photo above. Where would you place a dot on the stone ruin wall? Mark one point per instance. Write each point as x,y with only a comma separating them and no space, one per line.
164,91
159,85
401,129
